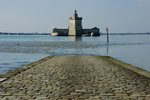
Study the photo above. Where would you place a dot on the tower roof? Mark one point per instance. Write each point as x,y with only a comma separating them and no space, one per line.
75,16
75,12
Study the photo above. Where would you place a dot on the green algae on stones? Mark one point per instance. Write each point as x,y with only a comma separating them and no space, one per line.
128,66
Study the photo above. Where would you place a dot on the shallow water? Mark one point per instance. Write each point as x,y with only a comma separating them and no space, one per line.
17,51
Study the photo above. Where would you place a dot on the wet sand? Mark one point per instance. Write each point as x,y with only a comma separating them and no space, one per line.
76,78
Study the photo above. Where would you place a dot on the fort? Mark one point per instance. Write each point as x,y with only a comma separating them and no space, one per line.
75,28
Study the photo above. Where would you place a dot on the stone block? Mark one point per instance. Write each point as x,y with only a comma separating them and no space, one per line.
54,34
2,79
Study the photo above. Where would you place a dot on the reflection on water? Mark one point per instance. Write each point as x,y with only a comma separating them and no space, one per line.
137,55
107,49
75,38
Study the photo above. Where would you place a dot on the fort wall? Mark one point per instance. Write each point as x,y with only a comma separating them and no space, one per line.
59,32
91,32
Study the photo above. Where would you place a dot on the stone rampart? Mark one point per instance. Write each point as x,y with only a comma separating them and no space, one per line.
92,32
60,32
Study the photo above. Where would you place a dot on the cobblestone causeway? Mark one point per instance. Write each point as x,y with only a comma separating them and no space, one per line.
76,78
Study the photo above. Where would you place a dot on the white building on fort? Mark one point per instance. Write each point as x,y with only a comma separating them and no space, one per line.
75,28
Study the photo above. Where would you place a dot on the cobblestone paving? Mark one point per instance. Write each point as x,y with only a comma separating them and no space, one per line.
76,78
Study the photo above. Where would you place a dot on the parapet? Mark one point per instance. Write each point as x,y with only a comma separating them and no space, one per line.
72,18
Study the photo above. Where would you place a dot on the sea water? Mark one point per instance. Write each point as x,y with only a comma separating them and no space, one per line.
19,50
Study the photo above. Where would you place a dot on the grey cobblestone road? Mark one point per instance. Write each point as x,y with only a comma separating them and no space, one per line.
76,78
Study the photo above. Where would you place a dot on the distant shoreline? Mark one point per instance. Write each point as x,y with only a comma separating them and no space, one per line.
126,33
4,33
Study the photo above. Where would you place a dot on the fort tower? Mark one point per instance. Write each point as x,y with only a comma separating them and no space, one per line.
75,25
75,28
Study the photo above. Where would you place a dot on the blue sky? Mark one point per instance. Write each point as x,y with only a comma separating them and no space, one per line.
42,15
